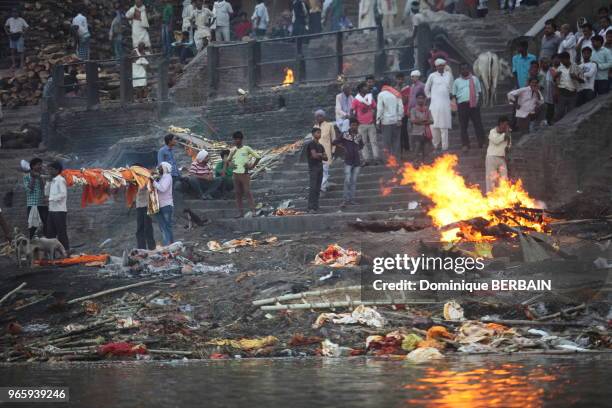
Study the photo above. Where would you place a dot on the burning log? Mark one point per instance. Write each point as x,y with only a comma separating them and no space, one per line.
384,226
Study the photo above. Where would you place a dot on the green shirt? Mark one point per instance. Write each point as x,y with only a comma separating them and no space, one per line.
240,157
228,172
167,14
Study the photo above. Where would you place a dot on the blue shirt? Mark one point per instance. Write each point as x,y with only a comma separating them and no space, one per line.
520,68
461,89
603,58
165,155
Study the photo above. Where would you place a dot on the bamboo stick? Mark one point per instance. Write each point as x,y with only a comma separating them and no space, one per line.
32,303
331,305
293,296
177,352
8,295
558,314
109,291
532,323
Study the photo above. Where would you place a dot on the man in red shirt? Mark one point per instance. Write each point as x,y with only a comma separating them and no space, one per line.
364,108
243,26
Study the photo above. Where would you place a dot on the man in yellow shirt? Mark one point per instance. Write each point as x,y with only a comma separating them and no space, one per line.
499,142
241,157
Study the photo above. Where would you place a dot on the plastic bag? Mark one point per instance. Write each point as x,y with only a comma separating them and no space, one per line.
34,220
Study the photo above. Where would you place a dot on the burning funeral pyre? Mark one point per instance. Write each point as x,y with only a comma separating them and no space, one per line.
461,212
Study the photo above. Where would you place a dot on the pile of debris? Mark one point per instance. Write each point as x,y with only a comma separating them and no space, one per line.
173,260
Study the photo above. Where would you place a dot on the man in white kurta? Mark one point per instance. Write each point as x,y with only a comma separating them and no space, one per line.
186,16
202,17
388,10
366,13
137,15
438,89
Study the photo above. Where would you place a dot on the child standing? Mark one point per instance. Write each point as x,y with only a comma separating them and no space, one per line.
421,119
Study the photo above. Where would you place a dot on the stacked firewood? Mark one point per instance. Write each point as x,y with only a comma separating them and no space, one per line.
49,42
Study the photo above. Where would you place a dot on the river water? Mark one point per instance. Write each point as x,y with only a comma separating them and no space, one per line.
470,382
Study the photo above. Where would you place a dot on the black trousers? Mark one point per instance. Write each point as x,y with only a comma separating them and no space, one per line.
465,115
550,113
203,187
144,229
405,138
43,210
314,191
602,86
584,96
56,227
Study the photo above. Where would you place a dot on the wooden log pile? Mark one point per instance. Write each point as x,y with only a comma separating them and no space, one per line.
49,42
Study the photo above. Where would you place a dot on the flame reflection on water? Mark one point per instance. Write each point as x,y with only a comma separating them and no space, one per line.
507,386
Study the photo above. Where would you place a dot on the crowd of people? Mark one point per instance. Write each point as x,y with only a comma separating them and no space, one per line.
570,70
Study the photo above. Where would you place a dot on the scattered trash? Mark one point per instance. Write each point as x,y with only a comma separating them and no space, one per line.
244,275
73,327
299,339
245,344
127,323
453,311
413,205
35,328
161,301
91,308
410,341
423,355
239,243
326,277
14,328
361,315
329,349
337,257
105,242
122,349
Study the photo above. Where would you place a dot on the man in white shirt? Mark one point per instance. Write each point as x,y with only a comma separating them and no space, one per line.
495,163
568,77
344,101
57,193
260,19
222,11
568,42
186,17
586,90
83,36
202,17
15,27
389,114
584,39
438,89
388,10
527,102
137,16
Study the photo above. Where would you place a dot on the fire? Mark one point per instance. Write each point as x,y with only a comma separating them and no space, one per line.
454,201
288,77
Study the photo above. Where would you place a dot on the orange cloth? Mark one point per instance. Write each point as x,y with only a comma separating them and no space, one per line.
97,188
76,260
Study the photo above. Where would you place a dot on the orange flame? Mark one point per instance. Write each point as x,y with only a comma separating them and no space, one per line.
288,77
454,201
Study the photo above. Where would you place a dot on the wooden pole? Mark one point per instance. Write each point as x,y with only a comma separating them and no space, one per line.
339,52
91,72
126,86
213,73
109,291
293,296
8,295
350,303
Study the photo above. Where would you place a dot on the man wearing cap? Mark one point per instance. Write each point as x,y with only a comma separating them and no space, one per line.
201,177
438,90
416,88
328,134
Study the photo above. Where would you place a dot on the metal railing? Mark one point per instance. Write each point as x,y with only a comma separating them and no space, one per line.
85,88
254,63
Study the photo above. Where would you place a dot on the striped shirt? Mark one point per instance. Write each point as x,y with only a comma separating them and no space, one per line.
200,169
35,196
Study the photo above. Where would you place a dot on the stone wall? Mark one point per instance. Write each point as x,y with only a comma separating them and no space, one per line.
271,118
88,134
572,155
